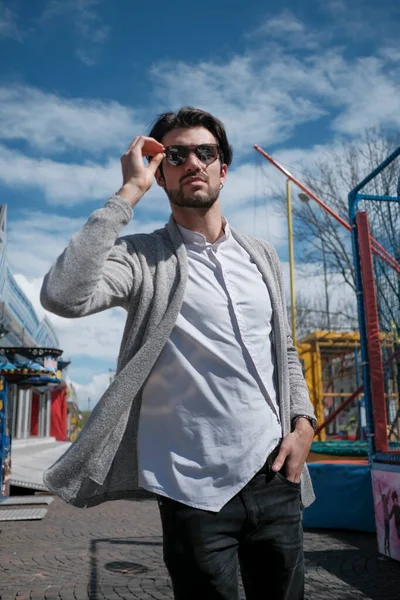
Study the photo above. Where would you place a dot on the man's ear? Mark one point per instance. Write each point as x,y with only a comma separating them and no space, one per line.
224,171
160,178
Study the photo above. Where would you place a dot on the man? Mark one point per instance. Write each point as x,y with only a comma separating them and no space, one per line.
208,383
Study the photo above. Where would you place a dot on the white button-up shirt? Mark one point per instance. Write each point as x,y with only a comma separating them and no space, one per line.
209,416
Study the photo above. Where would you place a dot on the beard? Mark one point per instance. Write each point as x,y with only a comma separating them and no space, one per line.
194,200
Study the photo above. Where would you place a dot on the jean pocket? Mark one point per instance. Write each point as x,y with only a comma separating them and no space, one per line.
292,484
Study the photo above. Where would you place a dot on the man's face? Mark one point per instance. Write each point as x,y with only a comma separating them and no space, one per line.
193,184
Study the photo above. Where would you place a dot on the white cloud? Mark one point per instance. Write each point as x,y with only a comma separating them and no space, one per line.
53,124
70,184
285,22
262,220
36,239
373,22
246,183
8,24
370,96
286,29
390,53
91,32
336,7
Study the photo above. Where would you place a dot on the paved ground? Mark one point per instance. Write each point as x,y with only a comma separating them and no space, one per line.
114,552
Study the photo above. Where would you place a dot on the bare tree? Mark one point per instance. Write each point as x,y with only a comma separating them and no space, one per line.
311,315
323,239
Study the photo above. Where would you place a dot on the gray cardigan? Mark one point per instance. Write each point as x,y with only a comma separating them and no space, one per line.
146,274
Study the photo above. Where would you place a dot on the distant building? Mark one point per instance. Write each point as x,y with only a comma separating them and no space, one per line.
19,323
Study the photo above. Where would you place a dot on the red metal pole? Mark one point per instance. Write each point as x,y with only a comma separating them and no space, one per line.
374,344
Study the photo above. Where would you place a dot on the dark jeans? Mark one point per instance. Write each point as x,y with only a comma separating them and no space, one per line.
260,529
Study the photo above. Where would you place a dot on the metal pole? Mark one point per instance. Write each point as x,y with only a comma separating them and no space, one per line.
291,261
328,319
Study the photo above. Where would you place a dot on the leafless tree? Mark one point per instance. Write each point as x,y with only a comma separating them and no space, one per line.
311,315
323,240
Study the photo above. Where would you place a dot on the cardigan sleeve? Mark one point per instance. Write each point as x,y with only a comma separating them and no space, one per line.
300,403
97,270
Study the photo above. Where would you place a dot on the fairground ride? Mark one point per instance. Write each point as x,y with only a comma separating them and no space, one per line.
374,227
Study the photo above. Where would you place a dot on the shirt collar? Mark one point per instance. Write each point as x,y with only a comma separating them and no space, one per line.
194,237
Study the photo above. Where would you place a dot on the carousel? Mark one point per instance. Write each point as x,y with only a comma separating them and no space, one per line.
33,401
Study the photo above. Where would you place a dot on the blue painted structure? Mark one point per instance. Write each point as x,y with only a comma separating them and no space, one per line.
344,497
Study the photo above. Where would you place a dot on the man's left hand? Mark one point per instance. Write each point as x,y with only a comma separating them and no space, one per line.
294,450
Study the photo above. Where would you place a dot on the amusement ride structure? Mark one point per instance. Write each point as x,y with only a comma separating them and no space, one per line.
359,370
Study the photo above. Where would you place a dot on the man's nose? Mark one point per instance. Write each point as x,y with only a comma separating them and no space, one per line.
193,163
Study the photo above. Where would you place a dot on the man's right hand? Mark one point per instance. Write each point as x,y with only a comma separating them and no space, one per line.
138,178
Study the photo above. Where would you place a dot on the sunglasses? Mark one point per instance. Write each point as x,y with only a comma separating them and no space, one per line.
178,155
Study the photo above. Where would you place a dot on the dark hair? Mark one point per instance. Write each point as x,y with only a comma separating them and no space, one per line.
193,117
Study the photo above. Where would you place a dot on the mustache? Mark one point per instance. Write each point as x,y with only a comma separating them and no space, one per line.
197,175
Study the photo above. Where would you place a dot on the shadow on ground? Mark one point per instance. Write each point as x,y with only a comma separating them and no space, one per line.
106,546
357,563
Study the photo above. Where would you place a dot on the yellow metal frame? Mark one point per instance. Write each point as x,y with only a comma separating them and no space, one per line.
318,346
313,350
309,354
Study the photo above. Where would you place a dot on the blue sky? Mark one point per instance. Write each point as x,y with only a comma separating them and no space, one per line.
81,78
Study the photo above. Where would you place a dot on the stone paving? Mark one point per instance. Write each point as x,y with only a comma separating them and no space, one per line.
114,552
